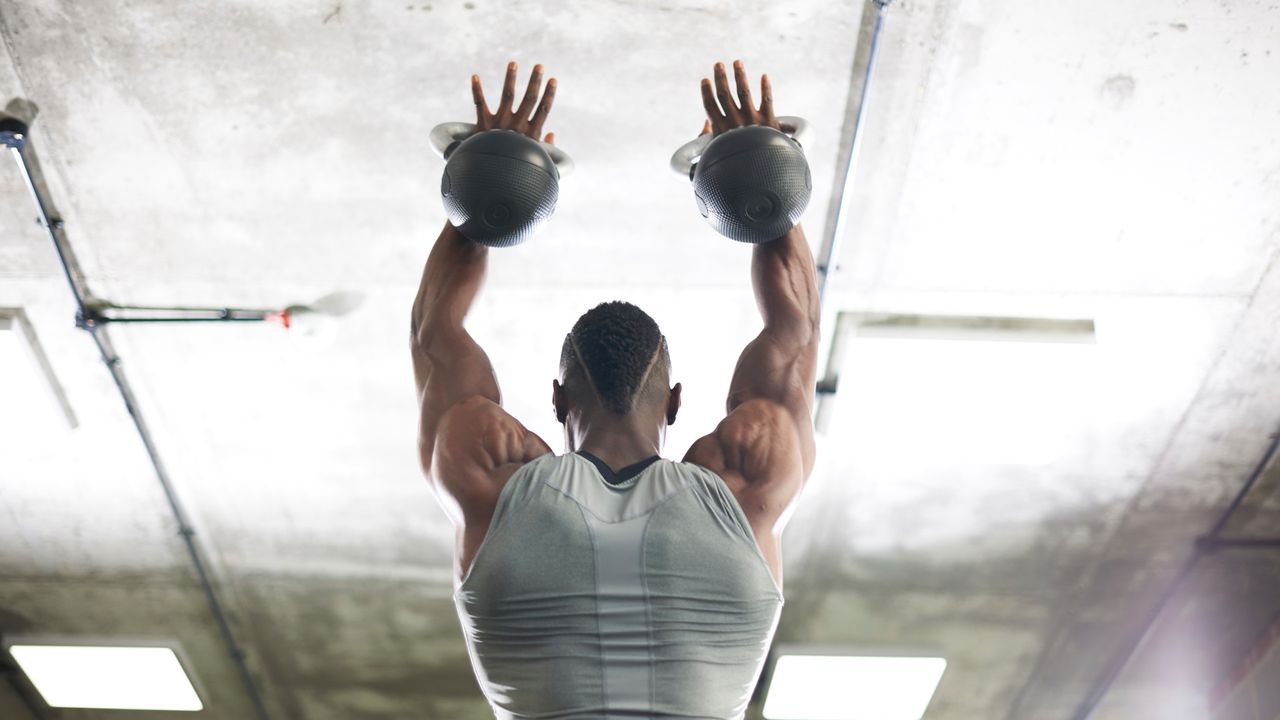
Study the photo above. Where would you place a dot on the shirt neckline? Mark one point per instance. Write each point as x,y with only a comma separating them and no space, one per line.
619,477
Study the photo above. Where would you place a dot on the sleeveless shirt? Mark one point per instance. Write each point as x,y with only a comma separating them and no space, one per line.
649,598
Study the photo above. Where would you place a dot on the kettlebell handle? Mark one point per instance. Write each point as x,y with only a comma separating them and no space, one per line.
684,158
446,134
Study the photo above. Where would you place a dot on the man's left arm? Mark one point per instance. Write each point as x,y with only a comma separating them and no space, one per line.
466,440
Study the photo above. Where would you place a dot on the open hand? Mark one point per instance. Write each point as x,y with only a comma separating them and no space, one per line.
518,119
736,115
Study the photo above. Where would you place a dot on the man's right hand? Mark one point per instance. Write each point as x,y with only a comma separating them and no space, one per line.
728,115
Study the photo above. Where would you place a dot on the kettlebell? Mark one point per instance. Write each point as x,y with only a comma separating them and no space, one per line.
751,183
499,186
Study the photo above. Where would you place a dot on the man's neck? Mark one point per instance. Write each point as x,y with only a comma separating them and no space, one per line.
620,442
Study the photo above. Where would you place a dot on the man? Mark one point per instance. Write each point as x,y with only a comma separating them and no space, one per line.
608,582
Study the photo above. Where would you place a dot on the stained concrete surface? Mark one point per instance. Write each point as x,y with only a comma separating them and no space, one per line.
1104,160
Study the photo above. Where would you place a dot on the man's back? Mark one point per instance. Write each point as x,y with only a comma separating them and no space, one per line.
648,598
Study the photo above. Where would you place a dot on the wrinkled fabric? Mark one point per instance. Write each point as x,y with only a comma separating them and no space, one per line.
649,598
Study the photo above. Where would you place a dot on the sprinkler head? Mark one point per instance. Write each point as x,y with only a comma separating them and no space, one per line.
13,133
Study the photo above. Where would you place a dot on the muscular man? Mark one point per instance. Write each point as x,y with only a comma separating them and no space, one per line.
608,582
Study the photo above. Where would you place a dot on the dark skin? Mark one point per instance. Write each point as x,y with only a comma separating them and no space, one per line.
763,450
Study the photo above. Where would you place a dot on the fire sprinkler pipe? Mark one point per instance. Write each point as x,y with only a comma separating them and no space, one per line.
13,135
829,253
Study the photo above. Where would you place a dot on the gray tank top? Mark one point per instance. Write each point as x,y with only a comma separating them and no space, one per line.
649,598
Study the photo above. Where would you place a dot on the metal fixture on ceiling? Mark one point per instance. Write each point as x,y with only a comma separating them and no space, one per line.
13,135
335,304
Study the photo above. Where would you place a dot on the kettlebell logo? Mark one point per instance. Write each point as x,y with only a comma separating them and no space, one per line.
760,207
497,216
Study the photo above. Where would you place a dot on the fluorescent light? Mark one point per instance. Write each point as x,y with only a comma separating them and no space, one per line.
974,327
115,678
934,336
27,380
850,687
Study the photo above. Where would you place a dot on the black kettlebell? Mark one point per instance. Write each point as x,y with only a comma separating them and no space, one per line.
751,183
499,186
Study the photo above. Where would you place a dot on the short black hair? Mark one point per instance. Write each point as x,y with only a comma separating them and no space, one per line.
616,342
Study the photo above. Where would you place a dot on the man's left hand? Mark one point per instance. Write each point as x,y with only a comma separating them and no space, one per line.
518,119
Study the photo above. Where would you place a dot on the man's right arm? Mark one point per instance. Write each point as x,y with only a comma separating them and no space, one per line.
764,448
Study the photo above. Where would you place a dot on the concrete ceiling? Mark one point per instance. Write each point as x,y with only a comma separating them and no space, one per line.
1022,510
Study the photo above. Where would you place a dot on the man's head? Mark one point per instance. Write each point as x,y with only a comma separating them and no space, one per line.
615,362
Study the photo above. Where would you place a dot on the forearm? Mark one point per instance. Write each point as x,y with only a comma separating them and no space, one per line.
448,365
780,364
785,281
452,277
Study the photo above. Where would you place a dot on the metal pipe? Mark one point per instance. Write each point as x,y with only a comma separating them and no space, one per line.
112,362
1217,528
1199,550
830,250
50,225
1210,544
104,319
100,314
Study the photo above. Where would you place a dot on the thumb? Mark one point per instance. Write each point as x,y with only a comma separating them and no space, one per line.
550,139
706,128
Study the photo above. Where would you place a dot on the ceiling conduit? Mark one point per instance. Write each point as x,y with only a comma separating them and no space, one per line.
13,135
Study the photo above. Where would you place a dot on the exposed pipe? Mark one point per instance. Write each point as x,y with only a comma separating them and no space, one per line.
105,315
830,250
1204,545
1209,544
13,134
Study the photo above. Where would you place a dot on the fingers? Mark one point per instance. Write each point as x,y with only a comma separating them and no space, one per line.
731,111
544,107
706,128
744,89
482,110
766,102
531,93
518,118
508,92
718,121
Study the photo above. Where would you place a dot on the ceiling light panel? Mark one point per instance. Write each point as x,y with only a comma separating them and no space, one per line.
851,687
108,677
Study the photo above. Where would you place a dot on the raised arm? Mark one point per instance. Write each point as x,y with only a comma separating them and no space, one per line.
779,366
764,448
468,446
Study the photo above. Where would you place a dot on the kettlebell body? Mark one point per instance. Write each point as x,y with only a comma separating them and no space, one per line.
752,183
499,187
